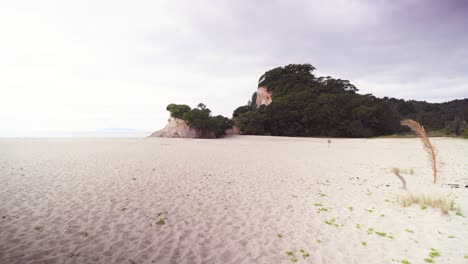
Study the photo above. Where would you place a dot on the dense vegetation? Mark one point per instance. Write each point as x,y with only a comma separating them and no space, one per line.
200,118
307,105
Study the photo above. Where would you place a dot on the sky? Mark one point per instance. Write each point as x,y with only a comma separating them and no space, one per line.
104,65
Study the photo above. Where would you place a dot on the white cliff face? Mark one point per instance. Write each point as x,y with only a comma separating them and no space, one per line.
263,96
178,128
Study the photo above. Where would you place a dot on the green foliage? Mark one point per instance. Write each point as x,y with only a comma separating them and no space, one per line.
381,234
197,117
465,133
161,221
201,118
434,253
242,110
306,105
177,110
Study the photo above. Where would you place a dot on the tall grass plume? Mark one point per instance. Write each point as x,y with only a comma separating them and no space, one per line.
428,146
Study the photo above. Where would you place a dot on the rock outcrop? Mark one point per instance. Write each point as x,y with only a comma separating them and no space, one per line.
178,128
234,130
263,96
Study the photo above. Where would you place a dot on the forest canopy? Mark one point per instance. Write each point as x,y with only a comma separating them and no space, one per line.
306,105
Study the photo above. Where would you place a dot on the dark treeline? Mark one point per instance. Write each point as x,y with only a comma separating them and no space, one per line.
307,105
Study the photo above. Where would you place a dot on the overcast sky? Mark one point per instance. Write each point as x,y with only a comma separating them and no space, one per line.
90,65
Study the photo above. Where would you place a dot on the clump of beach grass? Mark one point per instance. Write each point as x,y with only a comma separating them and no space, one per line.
428,200
428,146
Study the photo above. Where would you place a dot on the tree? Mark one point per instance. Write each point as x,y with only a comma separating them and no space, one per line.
178,110
241,110
201,106
458,125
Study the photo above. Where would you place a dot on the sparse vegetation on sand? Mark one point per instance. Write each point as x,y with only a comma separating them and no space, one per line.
161,221
293,256
434,201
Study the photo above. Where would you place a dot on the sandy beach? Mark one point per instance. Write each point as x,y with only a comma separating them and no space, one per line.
241,199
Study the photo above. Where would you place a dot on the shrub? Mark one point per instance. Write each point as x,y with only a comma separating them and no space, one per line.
177,110
443,203
201,118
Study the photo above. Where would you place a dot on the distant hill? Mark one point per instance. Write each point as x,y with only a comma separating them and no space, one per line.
292,101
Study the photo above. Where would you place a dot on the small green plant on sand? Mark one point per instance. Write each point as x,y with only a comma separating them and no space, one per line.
161,221
409,230
331,222
280,235
405,261
291,254
318,204
304,253
382,234
428,260
434,253
364,243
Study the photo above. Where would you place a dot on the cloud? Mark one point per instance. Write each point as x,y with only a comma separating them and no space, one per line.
89,65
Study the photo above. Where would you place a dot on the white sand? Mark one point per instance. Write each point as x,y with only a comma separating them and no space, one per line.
235,200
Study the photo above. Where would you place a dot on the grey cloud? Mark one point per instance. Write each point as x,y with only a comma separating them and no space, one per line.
135,57
388,41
